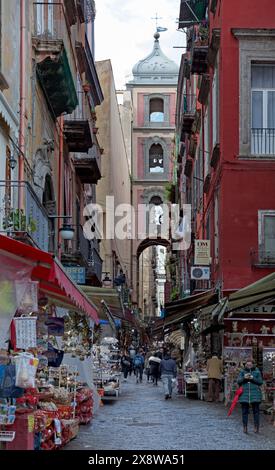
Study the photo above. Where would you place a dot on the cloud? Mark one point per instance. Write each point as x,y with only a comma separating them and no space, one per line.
125,28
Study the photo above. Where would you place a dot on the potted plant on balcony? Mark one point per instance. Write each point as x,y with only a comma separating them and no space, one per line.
203,35
16,221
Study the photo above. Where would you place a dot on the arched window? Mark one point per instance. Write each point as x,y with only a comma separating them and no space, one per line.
156,110
156,159
156,210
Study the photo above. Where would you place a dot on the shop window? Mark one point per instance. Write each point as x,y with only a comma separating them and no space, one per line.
156,110
156,159
263,109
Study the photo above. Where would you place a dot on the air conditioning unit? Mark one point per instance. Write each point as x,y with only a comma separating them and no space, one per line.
200,273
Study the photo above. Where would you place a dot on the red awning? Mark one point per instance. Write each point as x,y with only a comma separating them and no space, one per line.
45,268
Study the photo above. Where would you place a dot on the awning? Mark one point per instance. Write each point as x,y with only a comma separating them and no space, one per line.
109,296
183,309
261,290
45,268
176,338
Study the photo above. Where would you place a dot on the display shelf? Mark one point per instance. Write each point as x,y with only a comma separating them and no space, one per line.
249,319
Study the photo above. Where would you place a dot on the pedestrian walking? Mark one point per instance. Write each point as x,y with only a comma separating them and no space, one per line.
147,366
168,369
138,366
154,364
214,371
125,365
250,379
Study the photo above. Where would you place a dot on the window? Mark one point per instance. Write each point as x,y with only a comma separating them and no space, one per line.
263,109
156,110
44,18
267,236
156,159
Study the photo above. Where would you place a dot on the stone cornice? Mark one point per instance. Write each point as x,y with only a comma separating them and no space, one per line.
249,33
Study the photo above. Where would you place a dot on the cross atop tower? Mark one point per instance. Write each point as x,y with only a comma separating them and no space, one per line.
156,18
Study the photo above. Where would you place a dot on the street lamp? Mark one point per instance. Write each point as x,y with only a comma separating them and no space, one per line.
66,231
12,161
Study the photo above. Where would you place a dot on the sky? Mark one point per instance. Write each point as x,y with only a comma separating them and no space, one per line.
124,33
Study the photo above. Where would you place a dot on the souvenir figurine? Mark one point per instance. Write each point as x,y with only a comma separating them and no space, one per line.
245,331
273,330
265,330
235,326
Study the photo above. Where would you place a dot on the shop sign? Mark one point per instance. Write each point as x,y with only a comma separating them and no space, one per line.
257,309
25,332
202,252
76,273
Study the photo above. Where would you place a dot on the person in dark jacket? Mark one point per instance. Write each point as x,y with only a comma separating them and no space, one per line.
125,365
168,368
250,379
154,364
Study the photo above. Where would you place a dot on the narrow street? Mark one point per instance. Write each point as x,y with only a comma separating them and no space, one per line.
142,420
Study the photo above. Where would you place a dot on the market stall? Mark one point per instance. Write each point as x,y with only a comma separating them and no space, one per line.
42,399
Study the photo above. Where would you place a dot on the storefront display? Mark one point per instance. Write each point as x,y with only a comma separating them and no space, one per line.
107,369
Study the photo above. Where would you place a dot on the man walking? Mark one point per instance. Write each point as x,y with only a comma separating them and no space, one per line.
168,369
214,370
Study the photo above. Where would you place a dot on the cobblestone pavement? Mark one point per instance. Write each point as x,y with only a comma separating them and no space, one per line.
142,420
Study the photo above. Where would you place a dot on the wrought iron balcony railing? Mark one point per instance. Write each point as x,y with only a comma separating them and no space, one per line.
31,220
262,141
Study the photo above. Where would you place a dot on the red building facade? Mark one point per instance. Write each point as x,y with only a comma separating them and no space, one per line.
226,137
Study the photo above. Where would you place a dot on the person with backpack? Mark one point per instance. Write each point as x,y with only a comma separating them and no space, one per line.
138,366
125,365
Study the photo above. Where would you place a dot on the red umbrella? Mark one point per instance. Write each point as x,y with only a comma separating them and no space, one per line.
235,400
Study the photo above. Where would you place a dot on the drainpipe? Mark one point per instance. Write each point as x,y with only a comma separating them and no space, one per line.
60,184
22,102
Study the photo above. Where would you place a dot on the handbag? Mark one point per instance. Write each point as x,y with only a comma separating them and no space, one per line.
8,388
55,356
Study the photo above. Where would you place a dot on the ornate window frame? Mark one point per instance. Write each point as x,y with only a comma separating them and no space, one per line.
166,109
255,45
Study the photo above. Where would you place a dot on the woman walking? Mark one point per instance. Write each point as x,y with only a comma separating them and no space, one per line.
250,379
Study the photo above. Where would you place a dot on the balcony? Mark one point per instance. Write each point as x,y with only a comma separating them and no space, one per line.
192,147
204,89
91,75
188,115
262,258
216,155
54,57
199,63
207,183
30,224
88,166
196,127
192,12
188,167
263,142
94,274
77,126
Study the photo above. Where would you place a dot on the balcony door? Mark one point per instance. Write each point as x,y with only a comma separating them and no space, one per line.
45,18
263,110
